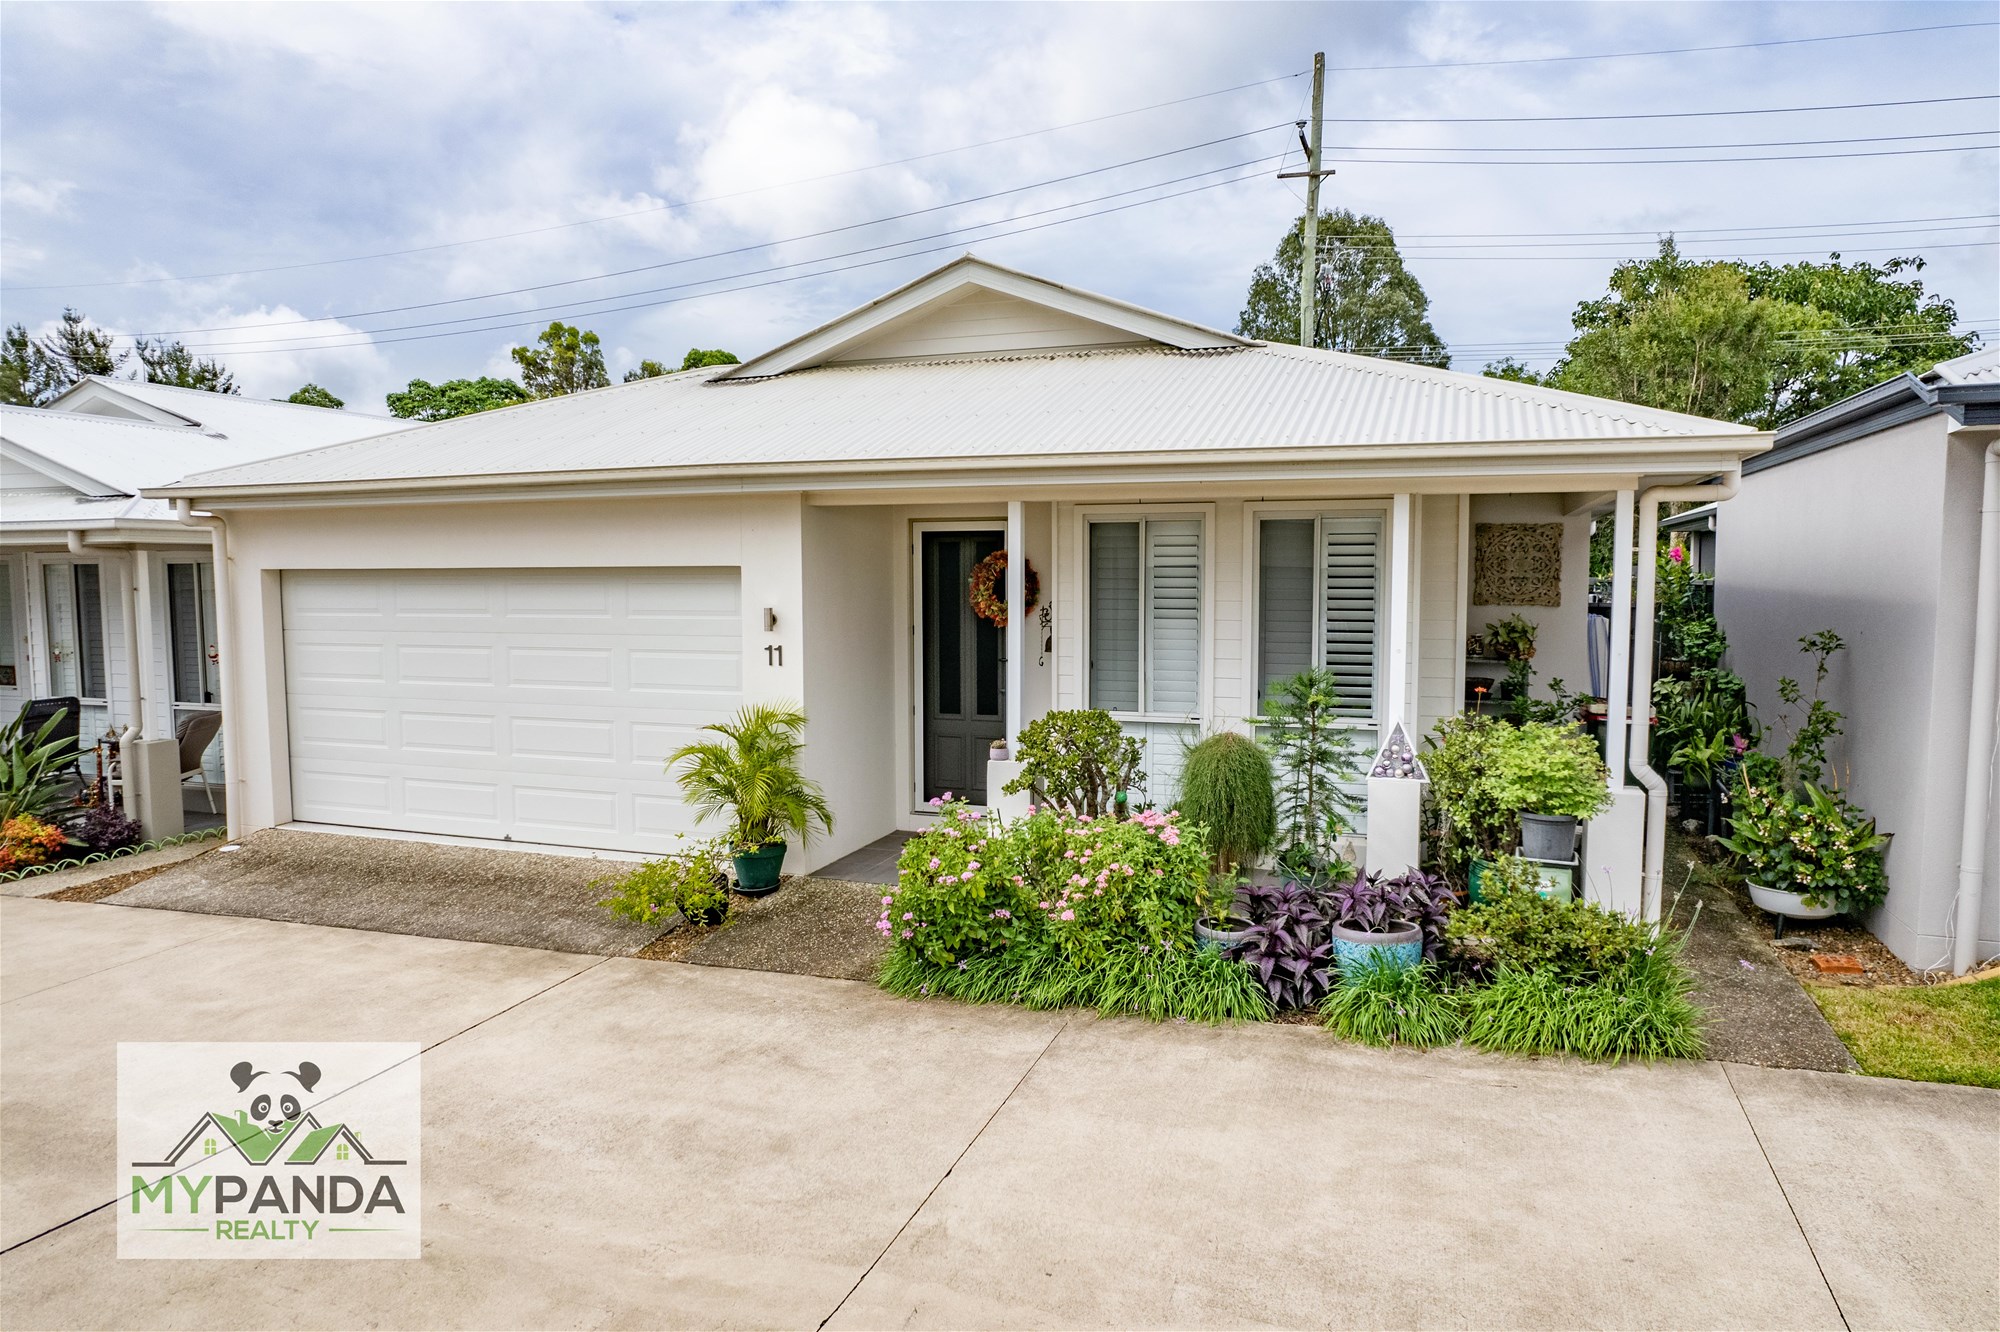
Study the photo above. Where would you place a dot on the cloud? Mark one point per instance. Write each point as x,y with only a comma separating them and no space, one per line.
37,196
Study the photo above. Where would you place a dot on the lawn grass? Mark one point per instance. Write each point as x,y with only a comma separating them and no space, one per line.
1939,1033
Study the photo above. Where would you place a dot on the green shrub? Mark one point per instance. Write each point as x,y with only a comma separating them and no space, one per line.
1177,981
32,768
1078,760
694,883
1390,1005
1226,787
1812,842
1315,756
1469,824
1642,1011
1541,769
969,887
1510,874
1524,931
752,777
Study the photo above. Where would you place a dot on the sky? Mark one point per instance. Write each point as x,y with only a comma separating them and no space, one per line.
358,195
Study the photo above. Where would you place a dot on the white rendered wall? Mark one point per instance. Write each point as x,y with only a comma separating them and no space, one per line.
1562,650
1875,539
851,643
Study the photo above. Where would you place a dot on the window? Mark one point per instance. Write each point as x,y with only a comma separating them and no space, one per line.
9,673
1145,616
191,621
1319,603
75,614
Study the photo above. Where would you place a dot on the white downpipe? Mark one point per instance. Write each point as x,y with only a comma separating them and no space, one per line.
225,670
1402,584
1618,677
1639,738
1979,724
135,727
1017,626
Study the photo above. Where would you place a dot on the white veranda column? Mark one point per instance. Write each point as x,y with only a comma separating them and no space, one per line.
1618,679
1017,616
1402,582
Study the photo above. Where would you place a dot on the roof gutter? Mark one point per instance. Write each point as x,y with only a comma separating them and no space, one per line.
1639,737
225,632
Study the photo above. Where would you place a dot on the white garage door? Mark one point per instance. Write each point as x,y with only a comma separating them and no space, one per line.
524,704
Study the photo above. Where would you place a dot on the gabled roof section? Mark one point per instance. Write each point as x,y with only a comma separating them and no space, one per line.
973,307
96,395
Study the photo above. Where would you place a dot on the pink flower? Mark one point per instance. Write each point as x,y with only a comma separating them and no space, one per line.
908,933
971,865
936,863
1069,915
909,915
888,901
1045,906
1677,555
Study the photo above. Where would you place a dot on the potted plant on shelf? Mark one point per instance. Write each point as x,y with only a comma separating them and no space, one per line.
1806,854
693,884
1549,777
751,776
1380,921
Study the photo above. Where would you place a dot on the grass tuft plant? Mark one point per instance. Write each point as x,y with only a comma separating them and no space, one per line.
1199,985
1394,1005
1642,1012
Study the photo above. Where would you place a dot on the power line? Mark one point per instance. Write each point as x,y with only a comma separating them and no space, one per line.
1678,50
1334,244
1658,161
1750,254
1688,231
1649,147
672,206
744,249
1661,115
365,338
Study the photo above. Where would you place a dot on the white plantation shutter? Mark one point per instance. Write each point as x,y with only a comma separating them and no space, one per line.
1173,616
1352,565
184,620
1288,588
1115,594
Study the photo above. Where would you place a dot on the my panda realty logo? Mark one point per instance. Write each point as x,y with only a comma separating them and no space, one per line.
269,1150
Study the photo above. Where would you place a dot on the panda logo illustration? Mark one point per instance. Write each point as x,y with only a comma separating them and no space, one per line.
274,1099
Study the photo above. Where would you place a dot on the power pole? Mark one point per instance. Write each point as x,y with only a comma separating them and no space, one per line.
1309,249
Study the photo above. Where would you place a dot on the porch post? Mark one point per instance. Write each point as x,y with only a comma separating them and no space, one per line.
1618,700
1017,617
1402,550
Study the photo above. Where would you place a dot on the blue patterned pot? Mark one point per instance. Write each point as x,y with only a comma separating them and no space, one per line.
1357,949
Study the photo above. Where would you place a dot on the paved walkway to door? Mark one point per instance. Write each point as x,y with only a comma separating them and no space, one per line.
614,1142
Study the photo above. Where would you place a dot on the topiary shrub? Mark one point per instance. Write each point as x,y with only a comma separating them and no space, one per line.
1226,786
1537,768
1079,760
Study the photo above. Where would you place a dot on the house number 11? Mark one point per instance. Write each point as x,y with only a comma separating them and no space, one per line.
774,654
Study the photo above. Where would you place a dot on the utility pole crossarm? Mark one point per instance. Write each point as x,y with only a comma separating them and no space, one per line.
1309,250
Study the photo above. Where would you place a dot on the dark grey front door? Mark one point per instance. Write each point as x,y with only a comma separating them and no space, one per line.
963,708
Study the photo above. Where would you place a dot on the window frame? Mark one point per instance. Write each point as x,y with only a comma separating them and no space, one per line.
43,654
1204,514
1254,518
206,617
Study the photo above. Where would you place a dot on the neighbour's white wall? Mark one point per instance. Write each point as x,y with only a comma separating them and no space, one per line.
761,535
1562,650
851,643
1876,540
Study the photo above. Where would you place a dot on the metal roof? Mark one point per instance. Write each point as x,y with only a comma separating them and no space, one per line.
1088,404
1965,388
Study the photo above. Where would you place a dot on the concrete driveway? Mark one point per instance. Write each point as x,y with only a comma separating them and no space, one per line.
614,1142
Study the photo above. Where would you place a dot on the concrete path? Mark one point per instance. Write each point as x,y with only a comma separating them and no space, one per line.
613,1142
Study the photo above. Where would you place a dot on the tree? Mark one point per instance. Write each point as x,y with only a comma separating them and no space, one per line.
566,360
697,358
1367,302
1761,344
425,401
172,363
78,348
21,369
646,370
1510,369
312,395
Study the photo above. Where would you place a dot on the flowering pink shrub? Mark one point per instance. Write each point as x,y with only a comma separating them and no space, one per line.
969,887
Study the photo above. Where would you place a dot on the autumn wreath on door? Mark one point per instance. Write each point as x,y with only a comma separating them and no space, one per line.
989,589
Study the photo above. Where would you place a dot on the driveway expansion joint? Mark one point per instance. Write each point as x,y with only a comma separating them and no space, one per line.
1784,1193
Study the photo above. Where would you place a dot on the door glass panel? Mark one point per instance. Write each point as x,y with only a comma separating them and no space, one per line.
90,630
9,664
943,576
59,618
987,638
1284,600
1114,616
184,620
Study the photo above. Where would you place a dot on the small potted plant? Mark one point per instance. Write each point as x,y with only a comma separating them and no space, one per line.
1380,921
1511,639
751,776
1288,946
1550,777
693,883
1807,854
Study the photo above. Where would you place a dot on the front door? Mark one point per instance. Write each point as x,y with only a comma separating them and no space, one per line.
964,711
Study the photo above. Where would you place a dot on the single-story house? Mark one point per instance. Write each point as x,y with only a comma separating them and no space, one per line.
1866,518
498,626
87,564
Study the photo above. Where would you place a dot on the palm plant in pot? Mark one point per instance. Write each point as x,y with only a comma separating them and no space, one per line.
1379,921
751,776
1550,776
1226,787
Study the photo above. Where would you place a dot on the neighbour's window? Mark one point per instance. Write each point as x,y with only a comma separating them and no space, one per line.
9,664
191,621
1319,603
1145,616
75,615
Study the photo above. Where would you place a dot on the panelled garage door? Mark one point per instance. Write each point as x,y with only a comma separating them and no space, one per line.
524,704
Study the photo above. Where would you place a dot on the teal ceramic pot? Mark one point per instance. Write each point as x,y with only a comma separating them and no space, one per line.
1402,946
757,871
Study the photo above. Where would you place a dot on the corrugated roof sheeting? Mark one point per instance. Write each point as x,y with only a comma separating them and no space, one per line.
1127,400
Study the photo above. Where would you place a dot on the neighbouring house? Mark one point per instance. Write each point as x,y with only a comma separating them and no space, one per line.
498,626
87,565
1865,518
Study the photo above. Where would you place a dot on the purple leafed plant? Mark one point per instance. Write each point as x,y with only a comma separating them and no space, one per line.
1376,904
105,828
1287,945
